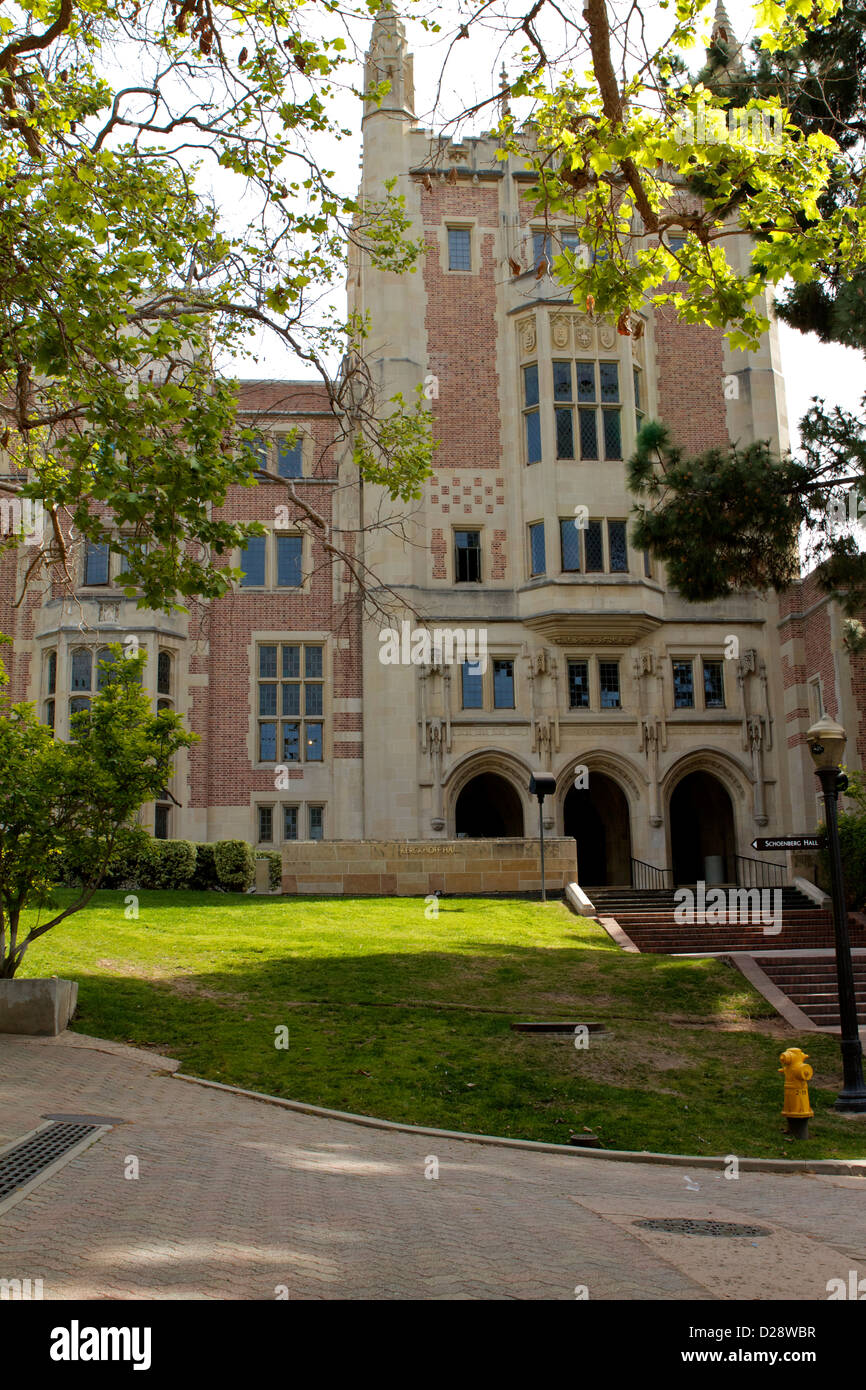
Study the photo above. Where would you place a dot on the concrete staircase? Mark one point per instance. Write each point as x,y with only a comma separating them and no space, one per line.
647,917
810,983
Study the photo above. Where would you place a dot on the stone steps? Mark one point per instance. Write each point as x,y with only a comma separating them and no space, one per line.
812,986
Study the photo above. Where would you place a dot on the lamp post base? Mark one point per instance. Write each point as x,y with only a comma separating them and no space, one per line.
851,1102
852,1097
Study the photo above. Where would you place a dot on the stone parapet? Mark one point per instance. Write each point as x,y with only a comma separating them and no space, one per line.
416,868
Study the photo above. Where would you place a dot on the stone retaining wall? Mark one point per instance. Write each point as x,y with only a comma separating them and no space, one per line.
408,868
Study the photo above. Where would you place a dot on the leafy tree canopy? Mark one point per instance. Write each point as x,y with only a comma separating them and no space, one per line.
124,280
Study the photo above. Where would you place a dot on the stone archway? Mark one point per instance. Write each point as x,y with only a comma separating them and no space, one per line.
701,820
488,807
598,818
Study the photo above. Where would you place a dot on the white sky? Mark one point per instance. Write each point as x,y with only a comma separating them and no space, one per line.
810,368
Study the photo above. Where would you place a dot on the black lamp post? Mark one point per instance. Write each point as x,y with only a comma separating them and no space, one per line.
541,786
826,741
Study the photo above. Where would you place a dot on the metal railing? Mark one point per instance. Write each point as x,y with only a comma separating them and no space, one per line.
648,877
759,873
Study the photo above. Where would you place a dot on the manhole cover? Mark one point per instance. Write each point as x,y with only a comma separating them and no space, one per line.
687,1226
21,1163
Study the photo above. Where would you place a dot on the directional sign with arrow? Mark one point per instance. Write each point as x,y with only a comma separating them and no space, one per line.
791,842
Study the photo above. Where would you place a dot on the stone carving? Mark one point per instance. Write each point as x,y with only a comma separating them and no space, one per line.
583,333
527,336
607,335
109,613
559,332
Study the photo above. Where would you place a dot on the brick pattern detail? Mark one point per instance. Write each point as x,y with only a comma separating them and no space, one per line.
691,396
461,329
498,555
439,547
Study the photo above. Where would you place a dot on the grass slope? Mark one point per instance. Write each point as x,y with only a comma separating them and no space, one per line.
395,1015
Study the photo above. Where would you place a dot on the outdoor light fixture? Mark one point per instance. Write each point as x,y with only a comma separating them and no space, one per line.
541,786
826,741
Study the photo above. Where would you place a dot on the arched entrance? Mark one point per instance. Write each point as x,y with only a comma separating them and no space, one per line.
701,820
488,808
597,816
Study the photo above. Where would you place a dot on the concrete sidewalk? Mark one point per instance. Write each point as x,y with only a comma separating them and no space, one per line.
237,1199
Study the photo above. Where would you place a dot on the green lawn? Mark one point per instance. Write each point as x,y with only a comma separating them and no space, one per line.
394,1015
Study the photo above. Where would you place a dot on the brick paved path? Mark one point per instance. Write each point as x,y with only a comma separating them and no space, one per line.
236,1198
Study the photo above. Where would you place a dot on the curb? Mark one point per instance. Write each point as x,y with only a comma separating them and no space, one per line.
851,1167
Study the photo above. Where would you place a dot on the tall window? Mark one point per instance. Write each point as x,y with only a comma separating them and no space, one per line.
51,673
531,416
537,558
103,660
541,248
82,669
253,562
257,449
290,550
315,822
578,685
617,547
638,399
503,684
163,673
161,819
563,411
459,248
608,676
290,458
472,685
594,548
266,825
467,557
569,536
290,822
684,685
611,426
290,703
96,562
714,685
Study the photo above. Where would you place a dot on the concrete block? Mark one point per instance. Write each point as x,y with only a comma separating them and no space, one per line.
38,1007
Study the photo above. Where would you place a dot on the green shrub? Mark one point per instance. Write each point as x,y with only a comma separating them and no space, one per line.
852,842
169,864
235,865
275,866
131,851
205,877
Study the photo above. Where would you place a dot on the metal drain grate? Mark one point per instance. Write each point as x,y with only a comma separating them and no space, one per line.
687,1226
22,1163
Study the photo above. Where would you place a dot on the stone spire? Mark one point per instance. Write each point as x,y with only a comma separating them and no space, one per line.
389,59
723,33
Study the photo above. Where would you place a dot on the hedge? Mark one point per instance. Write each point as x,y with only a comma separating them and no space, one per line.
235,865
169,864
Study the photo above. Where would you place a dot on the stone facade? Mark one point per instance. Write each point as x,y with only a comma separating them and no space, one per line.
407,868
672,729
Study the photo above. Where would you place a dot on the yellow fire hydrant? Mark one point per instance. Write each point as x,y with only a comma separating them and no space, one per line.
798,1074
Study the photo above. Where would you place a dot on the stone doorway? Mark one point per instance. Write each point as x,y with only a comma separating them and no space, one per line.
701,820
598,818
488,808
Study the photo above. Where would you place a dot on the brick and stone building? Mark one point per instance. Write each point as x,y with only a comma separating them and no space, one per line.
674,730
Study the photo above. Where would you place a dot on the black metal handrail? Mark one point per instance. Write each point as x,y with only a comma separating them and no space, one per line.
759,873
648,877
